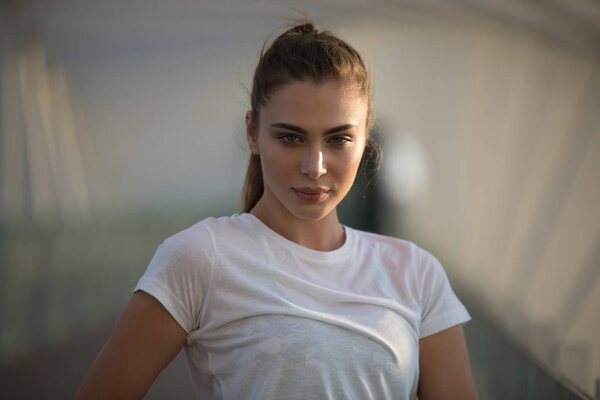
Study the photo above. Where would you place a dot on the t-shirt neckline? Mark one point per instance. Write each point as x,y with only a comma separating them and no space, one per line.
336,254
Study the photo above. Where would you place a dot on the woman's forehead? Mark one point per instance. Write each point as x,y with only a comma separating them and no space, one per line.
329,101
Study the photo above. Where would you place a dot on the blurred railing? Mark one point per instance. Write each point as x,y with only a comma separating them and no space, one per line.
58,279
504,370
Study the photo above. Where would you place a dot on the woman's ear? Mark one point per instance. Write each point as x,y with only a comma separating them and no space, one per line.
251,133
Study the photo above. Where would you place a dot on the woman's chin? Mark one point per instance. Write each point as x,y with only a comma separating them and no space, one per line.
312,213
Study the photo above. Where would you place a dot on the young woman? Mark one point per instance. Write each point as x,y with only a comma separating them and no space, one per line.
282,301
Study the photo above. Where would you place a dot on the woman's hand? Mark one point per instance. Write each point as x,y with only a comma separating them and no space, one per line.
445,369
144,341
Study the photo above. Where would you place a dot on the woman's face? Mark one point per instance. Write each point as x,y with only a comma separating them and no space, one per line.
310,138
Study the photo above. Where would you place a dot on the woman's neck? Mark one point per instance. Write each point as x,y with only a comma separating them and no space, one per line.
324,234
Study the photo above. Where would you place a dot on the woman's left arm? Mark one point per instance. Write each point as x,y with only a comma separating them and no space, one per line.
445,369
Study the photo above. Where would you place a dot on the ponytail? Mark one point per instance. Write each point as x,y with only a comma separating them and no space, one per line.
253,185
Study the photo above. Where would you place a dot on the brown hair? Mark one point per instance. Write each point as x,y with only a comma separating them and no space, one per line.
302,53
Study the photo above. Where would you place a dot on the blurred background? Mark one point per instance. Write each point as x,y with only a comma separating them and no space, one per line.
122,122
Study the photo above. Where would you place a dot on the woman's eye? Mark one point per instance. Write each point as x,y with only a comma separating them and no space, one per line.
289,138
340,140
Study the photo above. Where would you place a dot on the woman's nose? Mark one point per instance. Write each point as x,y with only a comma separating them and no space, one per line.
313,163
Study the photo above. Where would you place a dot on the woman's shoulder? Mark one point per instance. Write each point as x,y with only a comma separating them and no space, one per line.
385,243
404,252
209,229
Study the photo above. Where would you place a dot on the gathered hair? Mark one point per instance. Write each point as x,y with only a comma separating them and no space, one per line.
303,53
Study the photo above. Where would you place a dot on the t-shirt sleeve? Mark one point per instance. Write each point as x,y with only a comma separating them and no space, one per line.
179,274
440,308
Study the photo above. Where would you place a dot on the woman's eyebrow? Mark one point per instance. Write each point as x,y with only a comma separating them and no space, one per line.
295,128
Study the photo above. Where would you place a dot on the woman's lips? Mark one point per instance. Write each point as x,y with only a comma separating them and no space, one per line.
312,195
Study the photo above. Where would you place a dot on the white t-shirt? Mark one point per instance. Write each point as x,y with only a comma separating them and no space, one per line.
269,319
